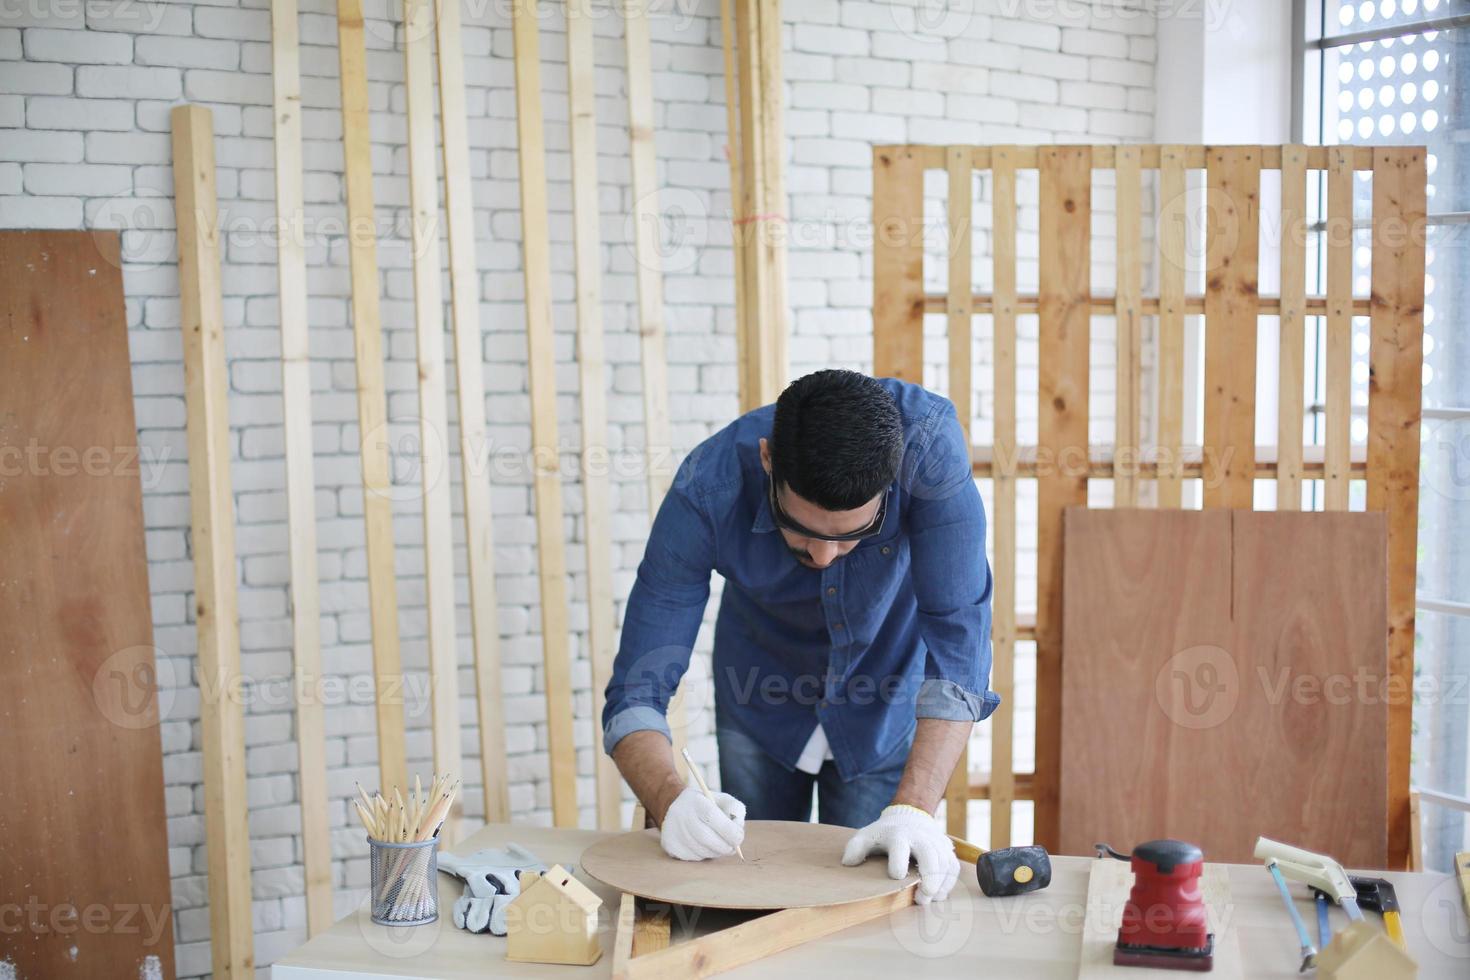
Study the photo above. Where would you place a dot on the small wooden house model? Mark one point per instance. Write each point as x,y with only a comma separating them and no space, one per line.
553,920
1364,952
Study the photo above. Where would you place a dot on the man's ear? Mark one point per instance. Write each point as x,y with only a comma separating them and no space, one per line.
765,455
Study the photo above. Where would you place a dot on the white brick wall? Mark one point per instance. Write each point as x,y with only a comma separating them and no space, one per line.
84,96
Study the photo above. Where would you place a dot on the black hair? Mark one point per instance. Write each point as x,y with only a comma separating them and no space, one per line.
837,440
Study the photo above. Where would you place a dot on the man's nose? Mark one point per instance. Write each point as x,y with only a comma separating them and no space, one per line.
824,552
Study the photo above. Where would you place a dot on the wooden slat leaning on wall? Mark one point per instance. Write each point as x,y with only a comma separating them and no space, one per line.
596,506
1339,328
1173,228
1065,329
1003,517
1291,399
752,43
428,301
211,503
657,441
898,263
1128,209
1232,247
541,368
961,388
306,638
459,209
372,407
1396,356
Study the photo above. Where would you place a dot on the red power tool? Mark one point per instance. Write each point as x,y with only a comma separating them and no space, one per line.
1164,922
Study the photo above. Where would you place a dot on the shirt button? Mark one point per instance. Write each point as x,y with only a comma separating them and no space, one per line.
837,627
886,549
831,590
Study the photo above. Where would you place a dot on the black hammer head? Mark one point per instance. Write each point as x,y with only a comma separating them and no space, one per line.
1013,871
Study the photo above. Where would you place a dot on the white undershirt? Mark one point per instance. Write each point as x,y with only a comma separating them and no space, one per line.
816,752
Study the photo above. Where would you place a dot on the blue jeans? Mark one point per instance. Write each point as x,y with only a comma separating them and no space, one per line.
770,791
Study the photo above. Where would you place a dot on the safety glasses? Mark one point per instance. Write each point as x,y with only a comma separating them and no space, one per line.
786,523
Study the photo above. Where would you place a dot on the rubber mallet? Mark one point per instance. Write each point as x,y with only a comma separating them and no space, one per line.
1008,871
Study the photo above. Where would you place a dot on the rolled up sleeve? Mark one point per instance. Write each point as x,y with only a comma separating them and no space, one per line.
951,577
665,609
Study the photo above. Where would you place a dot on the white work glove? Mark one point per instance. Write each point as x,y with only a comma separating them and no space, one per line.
902,831
491,884
697,828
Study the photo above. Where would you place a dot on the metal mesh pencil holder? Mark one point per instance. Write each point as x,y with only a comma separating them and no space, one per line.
405,882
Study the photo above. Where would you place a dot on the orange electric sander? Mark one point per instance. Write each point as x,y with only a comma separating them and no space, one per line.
1164,921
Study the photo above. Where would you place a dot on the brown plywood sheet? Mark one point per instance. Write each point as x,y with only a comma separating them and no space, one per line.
787,865
83,845
1225,678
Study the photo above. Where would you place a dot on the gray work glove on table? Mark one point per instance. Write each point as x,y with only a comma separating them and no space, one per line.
491,883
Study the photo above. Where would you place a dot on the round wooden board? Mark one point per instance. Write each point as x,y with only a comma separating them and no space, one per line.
787,865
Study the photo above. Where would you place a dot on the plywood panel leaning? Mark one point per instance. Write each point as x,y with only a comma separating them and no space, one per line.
85,826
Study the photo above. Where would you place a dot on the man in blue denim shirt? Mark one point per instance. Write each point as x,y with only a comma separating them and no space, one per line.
852,647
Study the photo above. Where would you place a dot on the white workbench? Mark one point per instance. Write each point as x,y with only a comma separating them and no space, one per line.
1036,935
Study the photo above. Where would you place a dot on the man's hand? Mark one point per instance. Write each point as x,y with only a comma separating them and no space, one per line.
696,828
903,831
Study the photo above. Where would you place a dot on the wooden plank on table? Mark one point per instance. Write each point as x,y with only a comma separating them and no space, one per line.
1338,361
898,264
222,716
1179,629
757,938
1232,247
591,366
1129,373
961,391
1003,519
372,402
306,641
1065,328
541,367
428,299
459,208
86,825
1290,399
1173,233
1395,385
1462,878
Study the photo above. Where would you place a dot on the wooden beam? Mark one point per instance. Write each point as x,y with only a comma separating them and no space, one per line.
1104,156
1337,410
961,392
1292,359
306,639
1231,251
1129,340
1003,519
1395,389
1462,877
746,345
1105,304
211,502
1066,216
428,300
1173,231
541,368
602,636
372,401
459,208
752,43
1028,462
898,265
